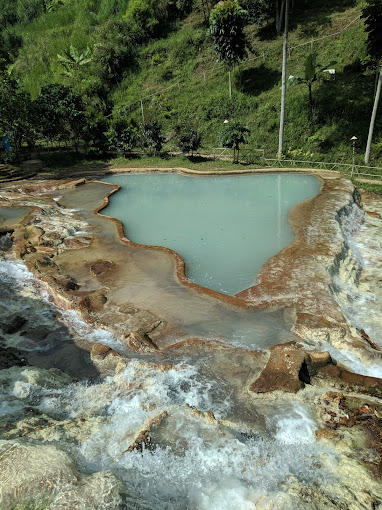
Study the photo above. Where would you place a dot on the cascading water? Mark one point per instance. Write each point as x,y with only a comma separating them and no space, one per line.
357,301
175,430
194,459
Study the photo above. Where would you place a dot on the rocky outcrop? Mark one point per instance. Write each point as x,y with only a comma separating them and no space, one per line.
289,368
13,323
93,301
104,357
41,476
140,341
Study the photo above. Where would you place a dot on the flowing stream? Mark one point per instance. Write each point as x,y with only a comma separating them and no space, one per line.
179,431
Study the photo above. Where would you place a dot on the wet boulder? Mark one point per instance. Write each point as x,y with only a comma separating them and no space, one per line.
140,341
289,368
104,357
10,357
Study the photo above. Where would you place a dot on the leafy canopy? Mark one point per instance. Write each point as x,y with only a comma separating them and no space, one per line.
313,71
372,13
234,133
227,22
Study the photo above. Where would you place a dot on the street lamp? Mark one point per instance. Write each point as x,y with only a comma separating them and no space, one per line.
353,140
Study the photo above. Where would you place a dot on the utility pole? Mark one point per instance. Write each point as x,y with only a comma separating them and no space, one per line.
283,82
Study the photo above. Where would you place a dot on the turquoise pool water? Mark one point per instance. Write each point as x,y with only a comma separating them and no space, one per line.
224,227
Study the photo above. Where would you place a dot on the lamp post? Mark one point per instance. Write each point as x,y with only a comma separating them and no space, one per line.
353,140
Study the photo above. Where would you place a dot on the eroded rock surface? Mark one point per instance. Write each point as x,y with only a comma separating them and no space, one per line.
271,419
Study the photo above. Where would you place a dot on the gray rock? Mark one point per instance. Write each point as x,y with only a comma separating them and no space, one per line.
13,323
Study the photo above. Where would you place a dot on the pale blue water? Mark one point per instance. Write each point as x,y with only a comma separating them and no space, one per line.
224,227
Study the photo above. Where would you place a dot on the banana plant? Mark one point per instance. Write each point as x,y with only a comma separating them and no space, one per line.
313,72
72,60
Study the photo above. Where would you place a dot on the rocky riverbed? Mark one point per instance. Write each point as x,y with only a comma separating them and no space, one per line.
126,386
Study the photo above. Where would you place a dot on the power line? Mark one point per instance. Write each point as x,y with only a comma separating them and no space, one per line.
324,37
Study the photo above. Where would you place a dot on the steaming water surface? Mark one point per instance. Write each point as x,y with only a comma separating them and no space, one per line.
224,227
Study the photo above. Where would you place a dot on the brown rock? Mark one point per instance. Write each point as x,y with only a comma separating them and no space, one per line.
101,266
65,283
142,439
373,214
288,368
104,358
140,341
94,301
326,434
282,370
319,359
100,351
350,380
75,243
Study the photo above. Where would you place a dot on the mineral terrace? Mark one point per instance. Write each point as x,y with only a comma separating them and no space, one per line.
324,290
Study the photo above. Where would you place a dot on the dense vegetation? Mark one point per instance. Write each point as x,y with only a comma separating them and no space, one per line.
75,72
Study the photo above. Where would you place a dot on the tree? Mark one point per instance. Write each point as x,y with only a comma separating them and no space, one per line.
233,134
227,22
313,72
60,113
122,133
151,136
259,11
114,52
16,112
189,139
373,26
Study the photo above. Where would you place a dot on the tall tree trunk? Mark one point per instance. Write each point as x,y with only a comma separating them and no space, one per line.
373,116
279,15
283,83
230,83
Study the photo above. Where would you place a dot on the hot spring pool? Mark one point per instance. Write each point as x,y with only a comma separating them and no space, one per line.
224,227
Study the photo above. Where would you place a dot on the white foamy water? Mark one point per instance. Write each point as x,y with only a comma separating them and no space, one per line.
194,463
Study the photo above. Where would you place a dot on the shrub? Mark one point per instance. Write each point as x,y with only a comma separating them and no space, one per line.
189,139
151,137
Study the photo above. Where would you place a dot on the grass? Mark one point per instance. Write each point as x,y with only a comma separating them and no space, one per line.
190,162
63,164
369,187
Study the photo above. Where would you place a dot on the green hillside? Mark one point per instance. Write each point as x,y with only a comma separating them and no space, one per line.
161,52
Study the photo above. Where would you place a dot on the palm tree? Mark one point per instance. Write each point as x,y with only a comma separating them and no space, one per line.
233,134
313,72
